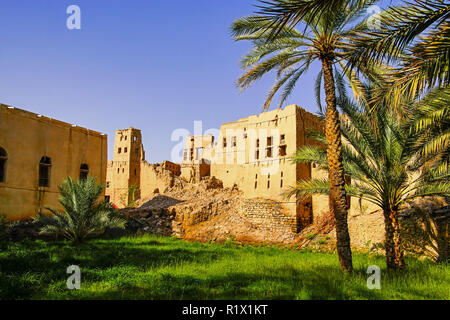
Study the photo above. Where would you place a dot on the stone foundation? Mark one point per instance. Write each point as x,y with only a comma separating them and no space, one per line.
268,213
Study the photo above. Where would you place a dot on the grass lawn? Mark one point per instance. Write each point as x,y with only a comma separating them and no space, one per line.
152,267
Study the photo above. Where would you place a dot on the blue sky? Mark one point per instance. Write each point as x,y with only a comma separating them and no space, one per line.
156,65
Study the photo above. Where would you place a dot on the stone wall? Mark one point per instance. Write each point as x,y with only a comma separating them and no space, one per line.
268,213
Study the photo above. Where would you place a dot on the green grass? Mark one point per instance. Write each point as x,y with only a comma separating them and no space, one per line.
152,267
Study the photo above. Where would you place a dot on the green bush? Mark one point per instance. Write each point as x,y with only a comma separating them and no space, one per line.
84,214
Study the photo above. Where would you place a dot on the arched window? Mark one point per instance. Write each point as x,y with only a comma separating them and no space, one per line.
84,171
45,166
3,159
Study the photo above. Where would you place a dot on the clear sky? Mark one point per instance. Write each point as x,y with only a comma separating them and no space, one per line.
155,65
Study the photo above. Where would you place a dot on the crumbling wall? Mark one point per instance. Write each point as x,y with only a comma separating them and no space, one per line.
268,213
154,177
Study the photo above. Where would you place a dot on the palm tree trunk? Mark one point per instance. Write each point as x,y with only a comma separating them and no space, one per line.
442,239
394,251
337,199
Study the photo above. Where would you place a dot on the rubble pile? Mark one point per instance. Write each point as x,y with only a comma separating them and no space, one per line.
203,211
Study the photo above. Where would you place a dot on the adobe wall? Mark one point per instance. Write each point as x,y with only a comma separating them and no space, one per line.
27,137
262,173
264,212
154,176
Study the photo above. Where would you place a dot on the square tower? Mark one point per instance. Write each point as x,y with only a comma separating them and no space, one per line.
124,171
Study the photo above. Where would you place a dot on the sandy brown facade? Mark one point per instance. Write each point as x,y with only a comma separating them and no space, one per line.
254,153
39,153
130,176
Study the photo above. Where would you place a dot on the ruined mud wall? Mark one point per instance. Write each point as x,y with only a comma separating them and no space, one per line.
154,177
268,213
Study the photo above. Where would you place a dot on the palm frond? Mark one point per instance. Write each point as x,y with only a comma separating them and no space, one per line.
399,26
84,215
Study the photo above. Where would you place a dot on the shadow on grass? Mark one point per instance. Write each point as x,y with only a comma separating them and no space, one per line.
29,268
270,285
162,268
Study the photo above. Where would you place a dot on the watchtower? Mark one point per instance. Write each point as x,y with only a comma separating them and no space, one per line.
125,169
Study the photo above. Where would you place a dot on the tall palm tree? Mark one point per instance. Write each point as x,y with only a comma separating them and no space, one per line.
291,52
84,215
415,39
288,13
386,167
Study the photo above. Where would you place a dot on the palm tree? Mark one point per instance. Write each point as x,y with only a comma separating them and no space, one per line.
84,215
432,119
415,39
290,53
386,167
288,13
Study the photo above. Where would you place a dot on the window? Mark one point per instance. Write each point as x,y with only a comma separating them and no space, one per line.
281,180
282,139
134,138
269,147
84,171
257,150
233,141
126,138
199,153
120,150
118,170
3,159
224,142
125,150
108,184
45,166
108,199
282,151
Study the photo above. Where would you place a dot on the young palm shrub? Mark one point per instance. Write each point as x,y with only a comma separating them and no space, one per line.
290,52
84,214
381,157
